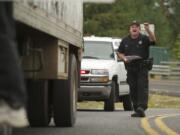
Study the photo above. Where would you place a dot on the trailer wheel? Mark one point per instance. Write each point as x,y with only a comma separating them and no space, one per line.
38,103
65,97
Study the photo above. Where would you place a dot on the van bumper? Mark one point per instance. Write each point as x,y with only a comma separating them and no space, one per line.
94,92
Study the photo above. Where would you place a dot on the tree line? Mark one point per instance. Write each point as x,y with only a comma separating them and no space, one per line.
114,19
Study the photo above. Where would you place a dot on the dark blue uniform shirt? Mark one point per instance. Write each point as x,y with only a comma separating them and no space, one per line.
139,46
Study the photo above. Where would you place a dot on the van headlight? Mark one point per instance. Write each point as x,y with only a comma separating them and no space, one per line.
100,72
100,75
100,79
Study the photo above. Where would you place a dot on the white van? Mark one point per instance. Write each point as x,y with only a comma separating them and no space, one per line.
103,76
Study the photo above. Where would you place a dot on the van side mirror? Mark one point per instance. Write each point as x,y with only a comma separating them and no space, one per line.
112,55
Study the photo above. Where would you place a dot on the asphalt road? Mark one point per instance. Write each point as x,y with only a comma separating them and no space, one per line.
97,122
169,87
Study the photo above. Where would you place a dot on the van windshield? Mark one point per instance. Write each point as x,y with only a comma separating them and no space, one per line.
98,50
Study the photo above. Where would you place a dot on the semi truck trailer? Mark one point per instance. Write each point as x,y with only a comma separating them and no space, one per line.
50,42
49,36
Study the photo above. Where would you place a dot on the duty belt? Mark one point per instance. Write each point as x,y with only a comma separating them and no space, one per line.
140,64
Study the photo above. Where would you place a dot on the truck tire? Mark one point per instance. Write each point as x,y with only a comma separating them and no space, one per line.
109,104
38,103
127,103
65,97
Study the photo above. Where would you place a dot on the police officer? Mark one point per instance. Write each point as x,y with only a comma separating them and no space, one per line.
136,44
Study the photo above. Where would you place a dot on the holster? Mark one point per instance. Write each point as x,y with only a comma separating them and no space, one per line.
148,63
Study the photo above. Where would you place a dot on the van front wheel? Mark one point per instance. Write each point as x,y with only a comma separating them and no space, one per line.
109,104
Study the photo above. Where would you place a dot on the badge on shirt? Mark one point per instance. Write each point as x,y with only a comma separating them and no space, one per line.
140,42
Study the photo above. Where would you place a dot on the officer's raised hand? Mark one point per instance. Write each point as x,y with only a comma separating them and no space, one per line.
152,37
146,26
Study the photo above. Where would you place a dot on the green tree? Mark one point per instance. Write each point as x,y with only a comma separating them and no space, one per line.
176,48
114,19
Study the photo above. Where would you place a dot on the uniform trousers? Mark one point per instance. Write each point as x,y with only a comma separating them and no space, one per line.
137,79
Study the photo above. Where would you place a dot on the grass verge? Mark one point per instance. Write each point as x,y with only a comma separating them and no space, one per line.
155,101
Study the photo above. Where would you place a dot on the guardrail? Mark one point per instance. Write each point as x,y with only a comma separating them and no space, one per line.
177,63
166,70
